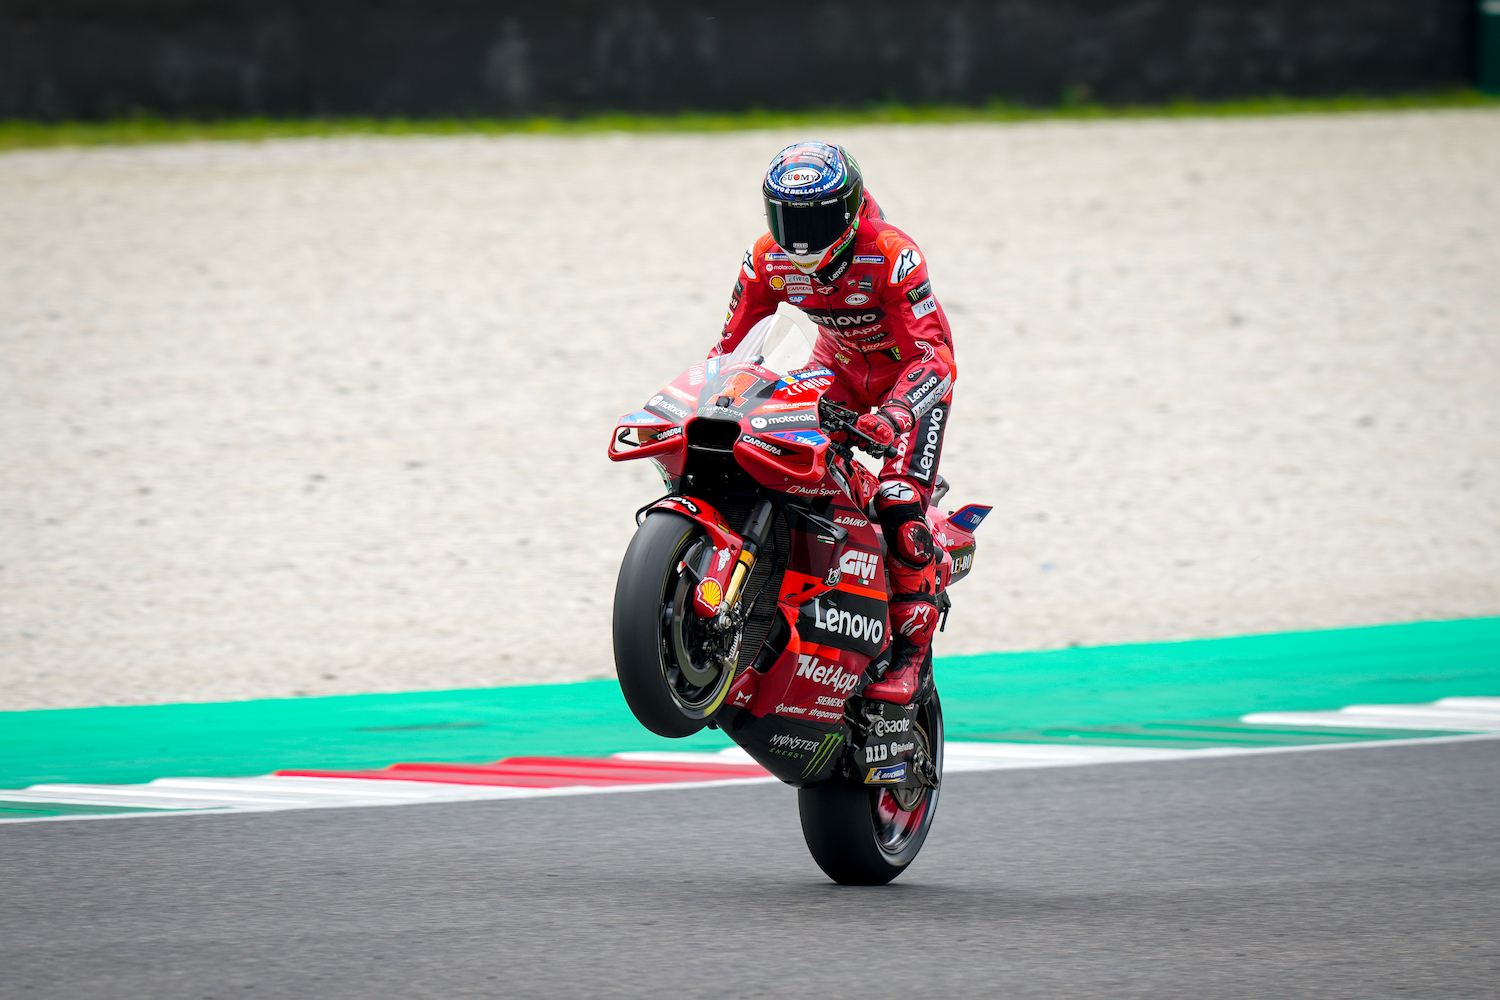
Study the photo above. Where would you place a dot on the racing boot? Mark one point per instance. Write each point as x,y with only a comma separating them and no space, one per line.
913,570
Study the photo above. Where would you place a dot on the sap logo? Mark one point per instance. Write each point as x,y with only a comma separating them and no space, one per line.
902,747
831,702
889,727
851,521
790,710
876,753
787,742
860,564
764,446
671,408
845,623
831,674
891,774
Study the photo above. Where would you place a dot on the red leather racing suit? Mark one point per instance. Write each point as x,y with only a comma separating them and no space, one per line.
883,333
885,337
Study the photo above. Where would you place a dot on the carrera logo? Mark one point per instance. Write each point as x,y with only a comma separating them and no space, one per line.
764,446
830,674
860,564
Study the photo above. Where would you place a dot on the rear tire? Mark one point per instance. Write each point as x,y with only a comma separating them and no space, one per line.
859,834
663,695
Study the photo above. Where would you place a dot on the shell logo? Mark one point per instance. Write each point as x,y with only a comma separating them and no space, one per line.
778,282
710,593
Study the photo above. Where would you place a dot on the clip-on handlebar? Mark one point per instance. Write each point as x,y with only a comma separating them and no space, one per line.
839,418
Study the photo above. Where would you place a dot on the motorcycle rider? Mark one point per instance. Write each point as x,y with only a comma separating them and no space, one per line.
830,252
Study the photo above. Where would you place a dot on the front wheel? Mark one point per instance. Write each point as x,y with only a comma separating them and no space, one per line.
867,835
674,667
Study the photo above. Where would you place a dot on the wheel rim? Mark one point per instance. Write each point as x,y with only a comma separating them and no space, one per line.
900,814
696,683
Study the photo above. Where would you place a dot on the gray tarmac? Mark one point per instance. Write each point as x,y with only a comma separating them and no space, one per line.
1366,873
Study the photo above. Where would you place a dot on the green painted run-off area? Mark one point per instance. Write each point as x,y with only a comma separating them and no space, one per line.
1160,694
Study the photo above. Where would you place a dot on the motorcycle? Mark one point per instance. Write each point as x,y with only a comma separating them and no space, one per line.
753,598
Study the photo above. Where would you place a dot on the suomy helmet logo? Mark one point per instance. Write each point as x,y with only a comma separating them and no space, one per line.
800,177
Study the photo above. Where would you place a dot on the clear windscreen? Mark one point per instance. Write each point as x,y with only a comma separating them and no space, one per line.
777,343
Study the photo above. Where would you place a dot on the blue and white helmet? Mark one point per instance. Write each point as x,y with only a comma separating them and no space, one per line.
813,193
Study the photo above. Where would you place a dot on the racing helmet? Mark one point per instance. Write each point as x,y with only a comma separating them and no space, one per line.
813,193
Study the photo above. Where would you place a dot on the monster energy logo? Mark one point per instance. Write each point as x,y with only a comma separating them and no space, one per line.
825,752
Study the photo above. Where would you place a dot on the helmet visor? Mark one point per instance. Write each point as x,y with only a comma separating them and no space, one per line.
810,228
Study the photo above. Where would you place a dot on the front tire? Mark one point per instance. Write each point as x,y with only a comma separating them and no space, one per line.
866,835
670,687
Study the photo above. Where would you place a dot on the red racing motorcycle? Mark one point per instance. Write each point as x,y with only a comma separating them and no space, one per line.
753,598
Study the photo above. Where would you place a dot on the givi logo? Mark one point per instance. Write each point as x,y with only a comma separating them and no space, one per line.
859,564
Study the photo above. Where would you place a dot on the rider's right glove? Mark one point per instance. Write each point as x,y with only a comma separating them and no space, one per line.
886,424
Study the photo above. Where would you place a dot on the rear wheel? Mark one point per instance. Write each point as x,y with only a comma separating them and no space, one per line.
674,667
867,835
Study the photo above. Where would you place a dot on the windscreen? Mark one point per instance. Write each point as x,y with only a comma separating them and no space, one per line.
777,343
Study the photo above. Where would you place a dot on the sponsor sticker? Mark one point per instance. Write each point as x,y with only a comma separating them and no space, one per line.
640,417
710,593
809,438
906,263
924,307
868,258
891,774
787,421
777,282
857,299
791,746
844,621
668,407
778,407
790,710
829,674
919,293
928,443
813,491
890,727
859,564
747,266
800,177
775,256
762,444
851,521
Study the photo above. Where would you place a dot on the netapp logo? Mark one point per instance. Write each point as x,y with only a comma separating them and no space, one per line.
831,674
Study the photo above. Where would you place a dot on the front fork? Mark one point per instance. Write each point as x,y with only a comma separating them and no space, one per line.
756,530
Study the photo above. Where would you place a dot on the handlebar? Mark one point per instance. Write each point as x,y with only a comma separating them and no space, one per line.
840,418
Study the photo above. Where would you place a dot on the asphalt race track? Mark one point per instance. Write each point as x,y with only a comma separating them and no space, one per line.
1360,873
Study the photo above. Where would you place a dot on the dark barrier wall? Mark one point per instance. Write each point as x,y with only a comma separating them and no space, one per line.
104,58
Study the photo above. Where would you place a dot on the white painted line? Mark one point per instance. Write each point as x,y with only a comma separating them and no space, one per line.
1472,715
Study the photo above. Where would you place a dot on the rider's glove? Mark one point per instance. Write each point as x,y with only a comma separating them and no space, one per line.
886,424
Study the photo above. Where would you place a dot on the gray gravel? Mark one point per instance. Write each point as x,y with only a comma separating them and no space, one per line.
1359,874
323,416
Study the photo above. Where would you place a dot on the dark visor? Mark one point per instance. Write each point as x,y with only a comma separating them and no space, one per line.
818,225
